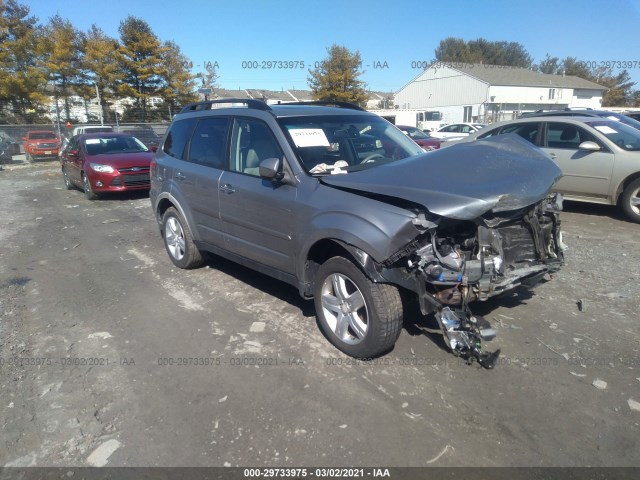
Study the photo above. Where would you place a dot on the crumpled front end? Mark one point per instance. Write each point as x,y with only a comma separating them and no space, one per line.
455,262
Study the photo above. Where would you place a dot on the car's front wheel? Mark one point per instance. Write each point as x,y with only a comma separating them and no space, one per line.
361,318
630,200
86,186
68,184
179,242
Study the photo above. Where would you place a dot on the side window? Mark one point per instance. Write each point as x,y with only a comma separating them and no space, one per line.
528,131
177,138
563,135
251,142
490,133
74,144
208,142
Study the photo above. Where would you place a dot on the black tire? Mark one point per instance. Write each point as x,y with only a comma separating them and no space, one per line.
178,241
86,187
629,200
68,184
381,311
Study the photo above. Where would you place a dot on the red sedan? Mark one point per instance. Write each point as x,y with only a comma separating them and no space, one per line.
423,139
105,162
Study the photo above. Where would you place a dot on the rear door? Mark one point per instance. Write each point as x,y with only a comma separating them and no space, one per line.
197,173
73,165
257,214
586,173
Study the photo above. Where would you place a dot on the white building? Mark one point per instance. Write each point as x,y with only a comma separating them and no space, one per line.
491,93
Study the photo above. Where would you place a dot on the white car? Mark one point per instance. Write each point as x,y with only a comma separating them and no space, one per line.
457,130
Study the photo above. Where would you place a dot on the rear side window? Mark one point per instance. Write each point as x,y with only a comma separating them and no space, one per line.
528,131
209,141
178,137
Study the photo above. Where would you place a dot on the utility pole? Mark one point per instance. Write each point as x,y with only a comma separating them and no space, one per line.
99,103
55,94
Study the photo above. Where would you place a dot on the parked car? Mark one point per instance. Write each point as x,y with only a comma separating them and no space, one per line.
9,147
295,191
12,145
600,157
586,112
105,162
80,129
456,130
40,144
423,139
147,136
632,115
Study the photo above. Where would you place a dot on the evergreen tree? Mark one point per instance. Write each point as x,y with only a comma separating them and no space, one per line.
337,78
178,82
141,62
483,51
101,66
21,80
60,59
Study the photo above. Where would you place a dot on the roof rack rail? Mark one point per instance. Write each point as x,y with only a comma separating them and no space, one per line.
206,105
328,103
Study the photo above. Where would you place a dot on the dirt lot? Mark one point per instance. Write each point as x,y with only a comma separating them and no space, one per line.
111,356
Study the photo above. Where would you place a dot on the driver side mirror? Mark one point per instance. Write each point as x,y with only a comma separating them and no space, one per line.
589,146
271,169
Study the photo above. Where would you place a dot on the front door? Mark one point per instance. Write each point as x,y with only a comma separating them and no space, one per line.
257,214
585,173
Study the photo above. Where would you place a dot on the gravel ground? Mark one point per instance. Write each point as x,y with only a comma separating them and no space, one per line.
111,356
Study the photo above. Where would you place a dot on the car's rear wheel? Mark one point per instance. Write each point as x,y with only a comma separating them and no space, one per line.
179,242
86,186
630,200
68,184
361,318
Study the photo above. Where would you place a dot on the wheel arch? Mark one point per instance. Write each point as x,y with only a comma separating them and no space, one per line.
166,201
327,248
623,185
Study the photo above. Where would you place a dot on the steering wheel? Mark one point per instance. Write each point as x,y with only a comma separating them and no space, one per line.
372,157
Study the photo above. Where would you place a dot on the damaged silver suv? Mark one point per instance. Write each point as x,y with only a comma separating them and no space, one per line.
341,204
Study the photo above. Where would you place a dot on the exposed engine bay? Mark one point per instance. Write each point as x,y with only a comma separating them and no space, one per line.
455,262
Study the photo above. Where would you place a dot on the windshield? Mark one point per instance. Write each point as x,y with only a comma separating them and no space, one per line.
332,144
109,145
143,135
627,138
414,133
42,135
617,117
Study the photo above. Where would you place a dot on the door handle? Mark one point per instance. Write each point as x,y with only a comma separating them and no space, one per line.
180,176
552,155
227,188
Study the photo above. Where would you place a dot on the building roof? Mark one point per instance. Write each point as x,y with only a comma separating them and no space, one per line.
301,95
521,77
225,93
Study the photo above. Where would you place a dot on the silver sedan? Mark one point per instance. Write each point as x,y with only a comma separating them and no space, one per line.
599,157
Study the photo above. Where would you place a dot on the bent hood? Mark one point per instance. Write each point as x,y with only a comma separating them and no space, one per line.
463,181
